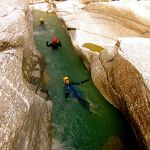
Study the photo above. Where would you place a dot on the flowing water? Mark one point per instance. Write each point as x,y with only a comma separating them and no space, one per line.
73,127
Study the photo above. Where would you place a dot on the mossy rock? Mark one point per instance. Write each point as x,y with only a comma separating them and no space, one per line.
93,47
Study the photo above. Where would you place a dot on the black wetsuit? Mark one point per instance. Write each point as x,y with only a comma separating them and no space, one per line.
54,45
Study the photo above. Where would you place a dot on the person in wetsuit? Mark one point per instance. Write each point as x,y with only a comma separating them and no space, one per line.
42,23
55,44
72,91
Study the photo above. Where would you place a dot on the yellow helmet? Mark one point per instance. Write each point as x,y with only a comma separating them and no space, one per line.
41,19
65,78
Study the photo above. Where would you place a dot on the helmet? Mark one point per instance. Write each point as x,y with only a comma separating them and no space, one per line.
41,19
54,39
65,78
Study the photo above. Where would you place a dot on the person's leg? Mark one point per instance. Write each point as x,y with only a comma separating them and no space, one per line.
83,102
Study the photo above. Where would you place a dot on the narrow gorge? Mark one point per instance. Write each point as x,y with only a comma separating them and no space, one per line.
106,42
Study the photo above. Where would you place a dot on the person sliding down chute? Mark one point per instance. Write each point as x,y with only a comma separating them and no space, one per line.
42,23
55,44
72,91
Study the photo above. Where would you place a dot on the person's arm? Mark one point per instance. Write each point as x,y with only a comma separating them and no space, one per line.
75,83
48,45
59,44
84,81
79,83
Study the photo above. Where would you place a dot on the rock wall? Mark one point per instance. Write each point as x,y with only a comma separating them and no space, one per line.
44,5
24,116
130,82
126,78
133,15
121,70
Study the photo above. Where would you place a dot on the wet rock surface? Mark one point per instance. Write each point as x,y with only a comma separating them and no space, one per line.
24,116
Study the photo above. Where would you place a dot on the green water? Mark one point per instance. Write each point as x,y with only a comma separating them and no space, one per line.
74,128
